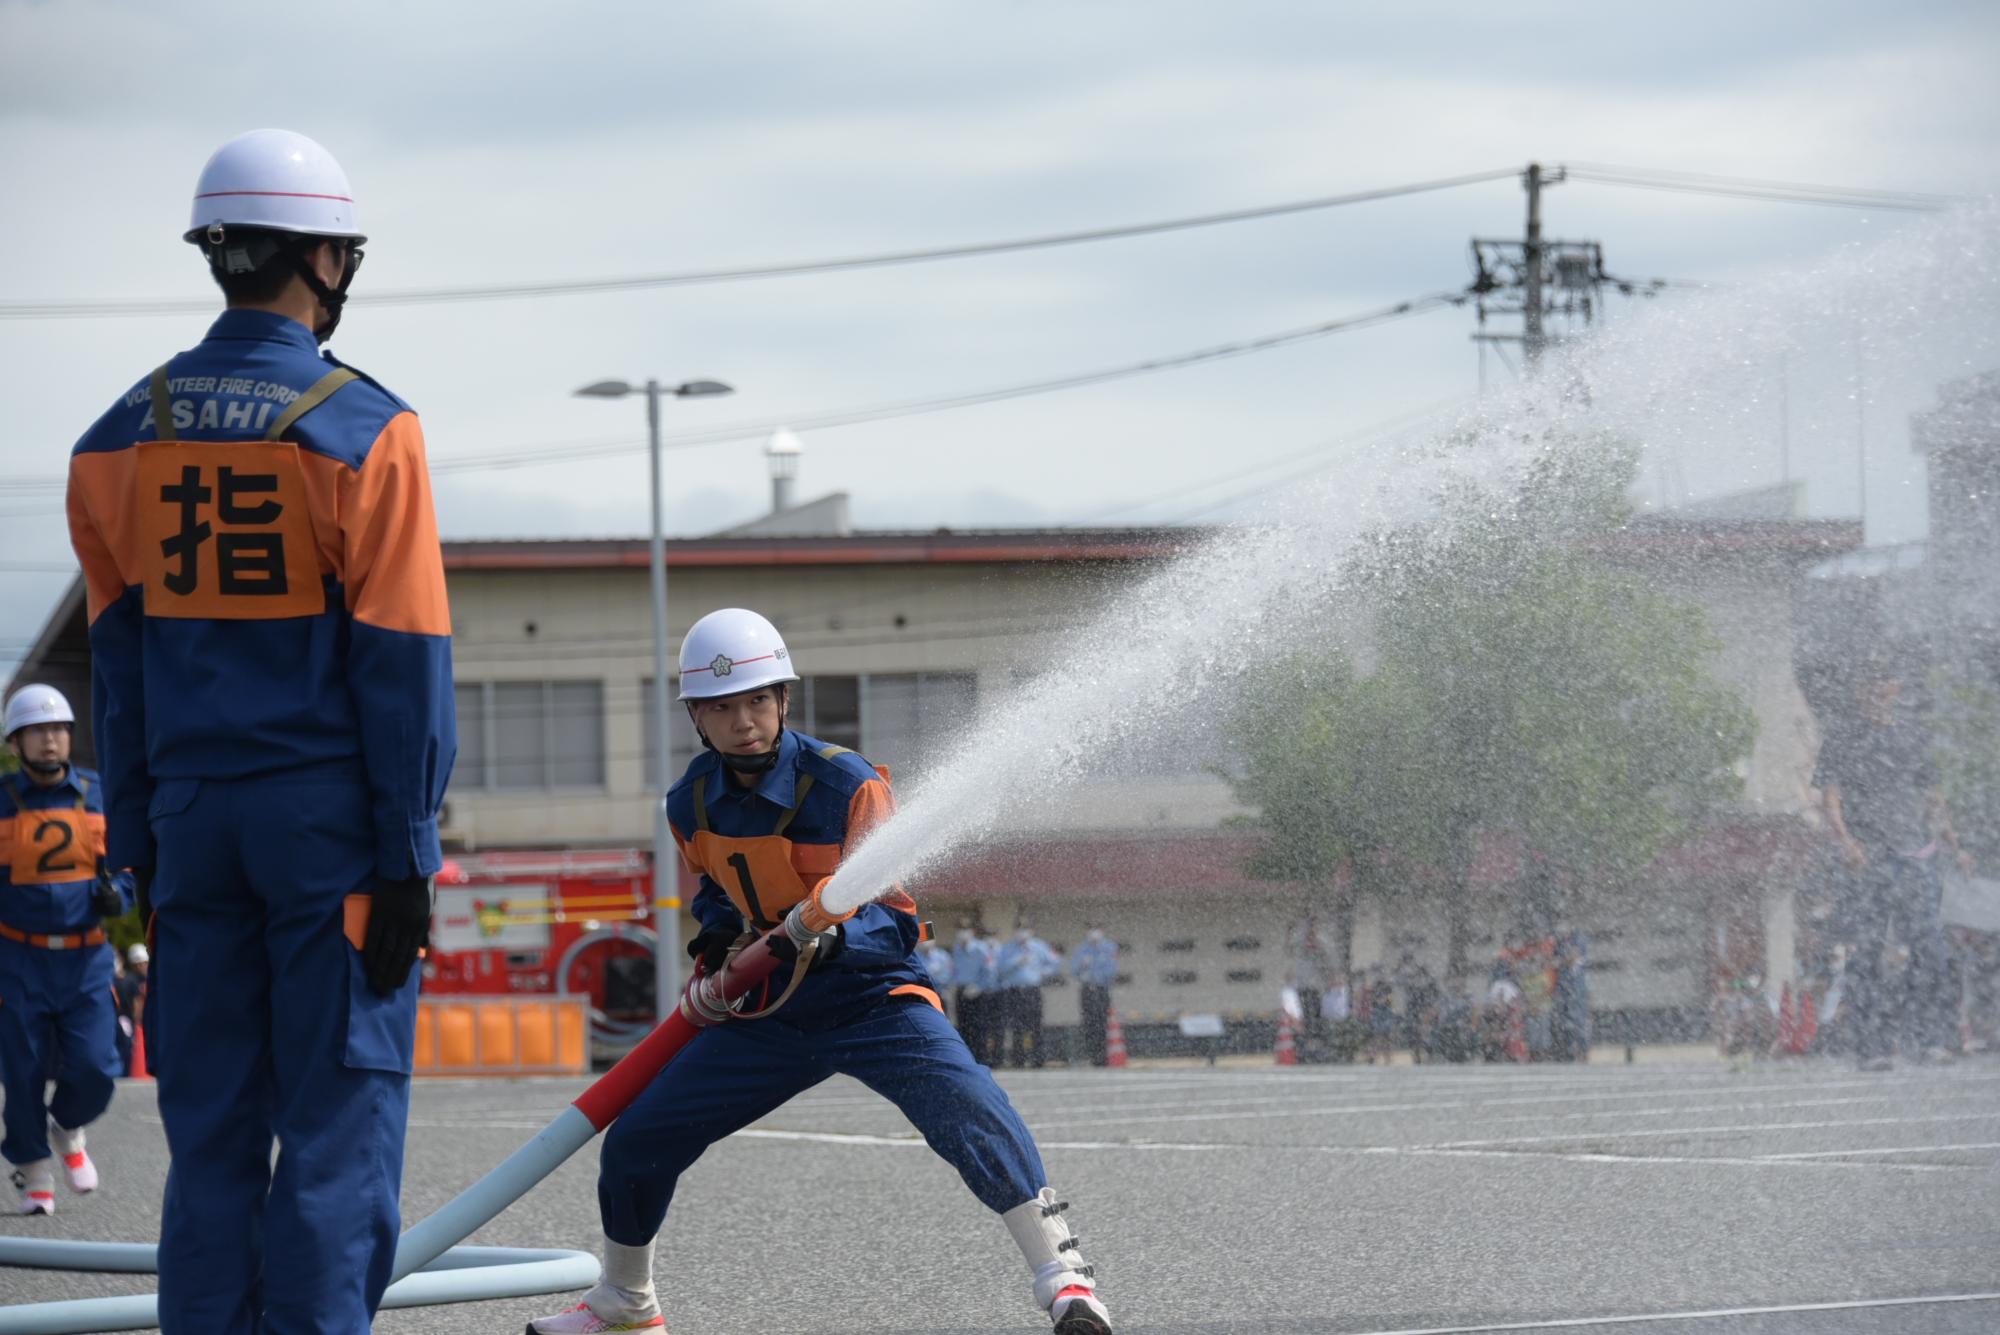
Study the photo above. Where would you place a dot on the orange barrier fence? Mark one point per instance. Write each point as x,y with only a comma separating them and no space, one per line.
503,1036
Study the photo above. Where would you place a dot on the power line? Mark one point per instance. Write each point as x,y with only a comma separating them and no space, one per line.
912,407
73,310
1741,187
1314,452
604,447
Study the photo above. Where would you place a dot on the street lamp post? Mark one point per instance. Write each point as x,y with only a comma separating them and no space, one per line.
666,915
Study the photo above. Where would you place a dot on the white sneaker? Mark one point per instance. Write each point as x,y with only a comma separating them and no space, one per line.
37,1184
77,1167
1076,1311
603,1308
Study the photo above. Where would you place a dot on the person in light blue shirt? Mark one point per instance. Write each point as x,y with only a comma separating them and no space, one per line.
1095,965
973,997
937,963
1021,966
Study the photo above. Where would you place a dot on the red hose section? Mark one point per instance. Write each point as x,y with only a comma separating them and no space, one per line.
614,1091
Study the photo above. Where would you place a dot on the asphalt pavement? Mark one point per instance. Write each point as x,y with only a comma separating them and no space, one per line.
1783,1199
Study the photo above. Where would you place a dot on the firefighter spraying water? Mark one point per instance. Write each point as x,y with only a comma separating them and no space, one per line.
762,818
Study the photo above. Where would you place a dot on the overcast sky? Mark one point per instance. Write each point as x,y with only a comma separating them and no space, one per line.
518,142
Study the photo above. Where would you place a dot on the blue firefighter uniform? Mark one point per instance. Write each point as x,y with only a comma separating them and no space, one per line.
869,1012
57,1013
273,700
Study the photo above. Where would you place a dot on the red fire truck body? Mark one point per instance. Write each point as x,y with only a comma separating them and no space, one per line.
540,922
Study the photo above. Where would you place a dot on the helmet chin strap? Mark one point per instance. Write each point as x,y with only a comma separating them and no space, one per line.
46,768
331,299
761,763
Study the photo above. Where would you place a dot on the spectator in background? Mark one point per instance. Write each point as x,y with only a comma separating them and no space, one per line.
1020,967
1501,1020
1310,974
1338,1003
1094,964
1382,1022
1417,987
1572,997
1880,793
973,997
937,963
130,991
1454,1036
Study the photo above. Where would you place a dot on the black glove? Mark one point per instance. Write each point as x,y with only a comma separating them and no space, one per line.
831,943
105,901
711,948
399,925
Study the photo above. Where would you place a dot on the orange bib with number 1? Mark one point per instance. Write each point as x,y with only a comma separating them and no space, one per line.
760,875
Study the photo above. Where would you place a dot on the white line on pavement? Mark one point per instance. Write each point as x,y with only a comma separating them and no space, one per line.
1900,1149
1344,1151
1990,1116
1124,1111
1643,1318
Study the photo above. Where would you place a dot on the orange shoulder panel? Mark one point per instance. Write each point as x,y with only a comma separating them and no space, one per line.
102,522
388,529
687,853
871,805
7,842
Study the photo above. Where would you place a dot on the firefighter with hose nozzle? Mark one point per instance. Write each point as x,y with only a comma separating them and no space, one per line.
762,817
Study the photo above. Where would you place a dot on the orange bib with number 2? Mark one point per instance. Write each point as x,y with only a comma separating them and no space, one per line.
56,847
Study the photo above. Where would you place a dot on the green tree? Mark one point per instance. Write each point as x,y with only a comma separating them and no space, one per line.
1520,682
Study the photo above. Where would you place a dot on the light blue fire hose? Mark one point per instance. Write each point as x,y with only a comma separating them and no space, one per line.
430,1267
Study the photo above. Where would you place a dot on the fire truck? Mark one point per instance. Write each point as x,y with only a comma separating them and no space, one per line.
566,922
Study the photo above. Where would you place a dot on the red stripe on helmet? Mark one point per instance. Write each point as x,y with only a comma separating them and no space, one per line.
733,663
275,194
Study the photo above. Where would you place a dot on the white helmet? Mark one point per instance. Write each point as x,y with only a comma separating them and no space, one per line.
276,180
732,651
37,704
138,954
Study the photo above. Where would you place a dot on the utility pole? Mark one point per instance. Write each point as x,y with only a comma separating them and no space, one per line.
1531,291
1539,280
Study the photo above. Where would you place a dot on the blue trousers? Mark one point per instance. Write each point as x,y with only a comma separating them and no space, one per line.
734,1074
266,1030
58,1021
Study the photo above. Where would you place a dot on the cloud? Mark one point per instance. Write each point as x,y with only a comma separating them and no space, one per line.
597,139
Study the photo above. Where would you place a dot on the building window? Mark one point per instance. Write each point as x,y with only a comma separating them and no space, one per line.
906,718
681,741
529,736
829,708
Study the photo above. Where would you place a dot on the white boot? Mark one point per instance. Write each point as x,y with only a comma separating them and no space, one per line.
1064,1284
37,1184
77,1167
622,1300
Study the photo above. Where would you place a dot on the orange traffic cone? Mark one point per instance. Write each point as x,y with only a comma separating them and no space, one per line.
1287,1053
139,1053
1808,1028
1114,1040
